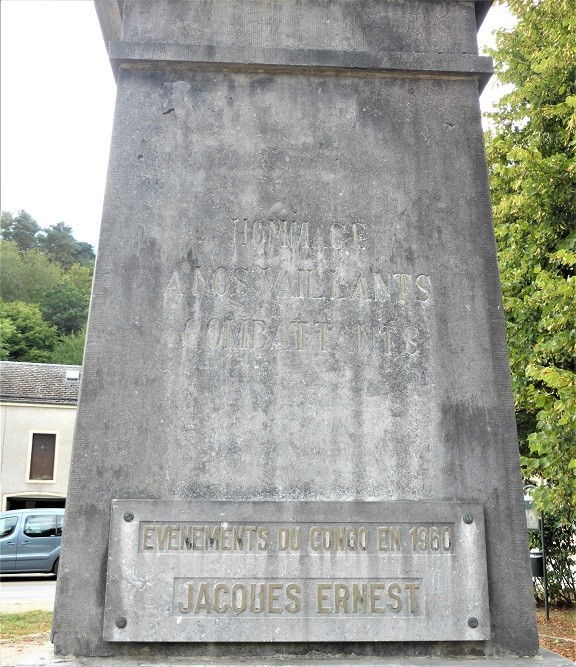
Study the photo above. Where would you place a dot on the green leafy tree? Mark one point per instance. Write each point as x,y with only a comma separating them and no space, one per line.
45,284
69,349
22,229
532,161
29,336
26,275
81,278
7,334
65,307
85,254
6,219
59,244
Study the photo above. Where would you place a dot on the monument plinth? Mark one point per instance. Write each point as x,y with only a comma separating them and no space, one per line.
296,428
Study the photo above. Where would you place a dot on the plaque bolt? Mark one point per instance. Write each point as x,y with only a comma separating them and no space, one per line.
473,622
467,518
121,622
128,516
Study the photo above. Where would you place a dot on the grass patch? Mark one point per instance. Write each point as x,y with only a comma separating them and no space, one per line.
26,623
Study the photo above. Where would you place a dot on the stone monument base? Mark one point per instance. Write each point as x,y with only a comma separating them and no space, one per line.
544,658
295,442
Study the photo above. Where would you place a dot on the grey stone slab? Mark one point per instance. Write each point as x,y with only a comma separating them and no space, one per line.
307,293
109,14
544,658
296,298
424,63
481,7
296,571
344,25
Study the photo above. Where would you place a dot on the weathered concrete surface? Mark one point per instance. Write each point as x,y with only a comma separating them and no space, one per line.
296,295
544,658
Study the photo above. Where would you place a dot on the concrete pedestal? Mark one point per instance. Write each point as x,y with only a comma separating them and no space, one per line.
296,300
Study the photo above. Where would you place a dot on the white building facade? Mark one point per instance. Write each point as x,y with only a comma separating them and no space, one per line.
37,416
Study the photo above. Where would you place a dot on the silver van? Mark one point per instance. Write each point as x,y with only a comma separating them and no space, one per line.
30,540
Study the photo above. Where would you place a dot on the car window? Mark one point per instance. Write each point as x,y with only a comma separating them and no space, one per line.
59,524
40,525
7,525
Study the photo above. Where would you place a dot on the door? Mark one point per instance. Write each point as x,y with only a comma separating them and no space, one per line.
8,546
38,540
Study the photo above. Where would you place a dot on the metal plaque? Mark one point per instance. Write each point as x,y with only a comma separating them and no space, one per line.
222,571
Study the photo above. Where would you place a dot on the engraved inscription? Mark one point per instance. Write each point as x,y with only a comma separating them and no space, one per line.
299,235
303,286
296,283
348,597
305,538
238,597
233,332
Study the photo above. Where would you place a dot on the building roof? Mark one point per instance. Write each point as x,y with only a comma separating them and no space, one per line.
54,384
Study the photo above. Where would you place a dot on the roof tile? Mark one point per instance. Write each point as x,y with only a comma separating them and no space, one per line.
22,382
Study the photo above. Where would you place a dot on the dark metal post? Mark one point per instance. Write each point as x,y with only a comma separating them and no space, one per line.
545,577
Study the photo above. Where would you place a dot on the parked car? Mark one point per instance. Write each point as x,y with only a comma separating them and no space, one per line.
30,540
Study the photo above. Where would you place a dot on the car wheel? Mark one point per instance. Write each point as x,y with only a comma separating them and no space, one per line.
55,567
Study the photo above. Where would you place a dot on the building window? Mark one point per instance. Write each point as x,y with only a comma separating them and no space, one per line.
43,456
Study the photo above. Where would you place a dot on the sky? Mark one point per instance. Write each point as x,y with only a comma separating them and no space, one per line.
57,104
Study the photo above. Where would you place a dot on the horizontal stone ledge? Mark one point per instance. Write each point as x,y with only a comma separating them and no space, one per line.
209,656
439,64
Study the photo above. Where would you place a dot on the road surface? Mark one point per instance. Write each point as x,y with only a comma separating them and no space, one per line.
23,593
